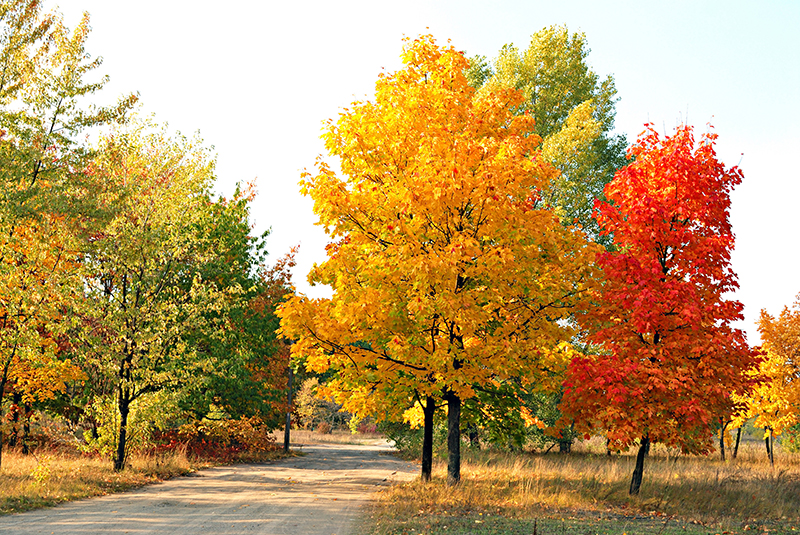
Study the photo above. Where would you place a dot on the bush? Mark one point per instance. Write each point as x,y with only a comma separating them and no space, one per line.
221,440
790,439
313,410
323,428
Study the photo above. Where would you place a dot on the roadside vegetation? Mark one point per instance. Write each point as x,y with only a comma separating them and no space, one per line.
586,492
67,469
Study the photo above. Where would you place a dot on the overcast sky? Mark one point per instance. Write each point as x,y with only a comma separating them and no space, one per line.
258,78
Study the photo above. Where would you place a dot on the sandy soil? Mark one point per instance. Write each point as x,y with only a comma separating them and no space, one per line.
318,494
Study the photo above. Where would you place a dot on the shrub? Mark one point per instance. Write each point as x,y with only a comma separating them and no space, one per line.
323,428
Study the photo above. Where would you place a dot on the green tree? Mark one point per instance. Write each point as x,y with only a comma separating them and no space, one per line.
574,112
144,290
241,366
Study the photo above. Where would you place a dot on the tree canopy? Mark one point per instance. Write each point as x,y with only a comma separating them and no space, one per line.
672,358
448,271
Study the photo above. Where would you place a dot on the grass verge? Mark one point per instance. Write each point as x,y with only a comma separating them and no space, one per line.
587,493
33,481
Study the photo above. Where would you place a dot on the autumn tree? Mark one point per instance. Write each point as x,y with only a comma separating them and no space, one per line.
574,112
447,271
672,359
45,205
774,401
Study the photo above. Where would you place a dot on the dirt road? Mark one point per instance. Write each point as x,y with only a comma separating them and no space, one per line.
318,494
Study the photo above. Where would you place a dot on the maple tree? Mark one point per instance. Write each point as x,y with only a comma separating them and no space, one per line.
672,359
447,271
774,401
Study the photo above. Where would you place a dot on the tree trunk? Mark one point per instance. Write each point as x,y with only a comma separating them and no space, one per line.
427,438
565,446
453,438
766,442
124,409
474,438
3,382
286,431
771,442
736,444
722,427
13,435
636,480
26,428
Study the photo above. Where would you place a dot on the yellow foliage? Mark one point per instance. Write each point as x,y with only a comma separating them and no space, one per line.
447,269
775,400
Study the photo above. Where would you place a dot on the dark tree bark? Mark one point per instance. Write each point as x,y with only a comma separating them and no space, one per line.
736,444
13,435
636,480
771,448
427,438
286,435
124,409
3,381
453,438
26,428
474,439
723,426
766,442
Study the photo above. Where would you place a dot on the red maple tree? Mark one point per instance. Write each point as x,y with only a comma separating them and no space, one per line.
670,358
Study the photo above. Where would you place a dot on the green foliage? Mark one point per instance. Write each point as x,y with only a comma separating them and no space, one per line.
150,415
408,440
790,439
122,280
574,112
47,206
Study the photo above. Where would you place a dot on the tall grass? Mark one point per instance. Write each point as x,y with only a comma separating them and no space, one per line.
31,481
701,490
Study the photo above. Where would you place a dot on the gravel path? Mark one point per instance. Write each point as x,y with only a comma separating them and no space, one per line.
318,494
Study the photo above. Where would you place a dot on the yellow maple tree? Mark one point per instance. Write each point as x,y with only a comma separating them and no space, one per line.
447,271
774,402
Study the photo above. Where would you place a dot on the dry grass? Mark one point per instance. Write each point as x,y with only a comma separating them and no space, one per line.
592,489
338,436
33,481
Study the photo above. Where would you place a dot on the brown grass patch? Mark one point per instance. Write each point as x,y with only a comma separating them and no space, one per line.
33,481
587,484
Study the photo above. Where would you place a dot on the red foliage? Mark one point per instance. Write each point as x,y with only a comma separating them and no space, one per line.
670,356
224,441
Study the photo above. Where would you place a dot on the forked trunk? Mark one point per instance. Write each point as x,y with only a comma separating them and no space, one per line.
453,438
427,438
636,480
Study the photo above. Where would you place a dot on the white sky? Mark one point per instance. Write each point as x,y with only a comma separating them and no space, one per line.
258,78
